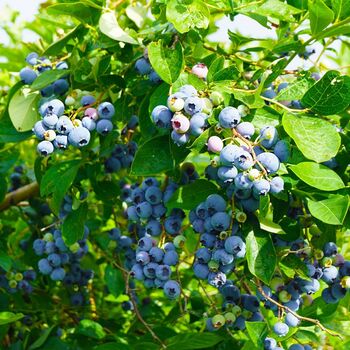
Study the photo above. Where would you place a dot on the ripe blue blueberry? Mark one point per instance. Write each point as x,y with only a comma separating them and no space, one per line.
276,185
79,137
220,221
281,329
163,272
179,139
161,116
104,126
27,75
50,121
39,130
246,129
143,66
171,258
172,289
105,110
229,117
193,105
64,125
58,274
235,245
188,91
228,154
269,161
261,187
44,266
87,100
227,174
60,86
198,123
291,320
45,148
201,271
32,58
268,136
243,160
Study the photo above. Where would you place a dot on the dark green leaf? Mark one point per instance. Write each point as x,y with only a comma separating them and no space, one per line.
114,280
295,90
189,196
153,157
320,15
189,341
257,332
261,255
330,95
73,224
216,66
291,265
341,9
9,317
318,176
57,180
42,339
5,261
166,61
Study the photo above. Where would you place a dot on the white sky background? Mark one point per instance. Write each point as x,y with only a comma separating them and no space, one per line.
242,24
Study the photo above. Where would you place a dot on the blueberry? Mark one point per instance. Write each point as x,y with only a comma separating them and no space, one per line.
200,70
39,130
261,187
64,125
58,274
104,126
215,144
45,148
156,254
172,289
54,260
269,93
215,203
154,77
330,249
281,150
188,91
268,136
145,244
242,182
106,110
250,302
39,246
235,245
170,258
193,105
228,154
44,266
54,106
27,75
330,274
201,271
309,287
221,256
79,137
243,160
291,320
179,139
198,123
62,65
154,228
227,174
328,297
32,58
220,221
203,255
137,272
112,165
143,66
176,102
229,117
281,329
246,129
230,292
60,86
269,161
338,291
161,116
269,343
282,86
87,100
153,195
50,121
163,272
296,347
88,123
276,185
142,258
158,210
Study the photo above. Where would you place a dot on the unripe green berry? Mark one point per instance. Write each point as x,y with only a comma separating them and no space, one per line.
230,317
13,284
284,296
243,110
179,241
218,321
318,254
345,282
213,265
241,217
74,247
48,237
223,235
327,262
18,277
277,283
217,98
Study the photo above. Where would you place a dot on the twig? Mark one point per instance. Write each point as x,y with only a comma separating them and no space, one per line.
302,318
19,195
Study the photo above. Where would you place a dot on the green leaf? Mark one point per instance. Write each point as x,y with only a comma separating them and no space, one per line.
114,280
257,332
81,12
189,196
291,265
189,341
251,98
332,210
91,329
42,339
73,224
200,141
272,8
166,61
216,66
23,109
48,77
153,157
3,188
137,13
112,346
320,15
316,138
318,176
187,15
228,73
109,26
57,180
9,317
341,9
295,90
261,255
5,261
330,95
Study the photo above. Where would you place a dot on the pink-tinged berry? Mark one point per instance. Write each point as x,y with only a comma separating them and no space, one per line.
201,70
91,113
180,123
215,144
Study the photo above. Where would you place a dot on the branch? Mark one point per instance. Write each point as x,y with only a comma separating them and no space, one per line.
19,195
302,318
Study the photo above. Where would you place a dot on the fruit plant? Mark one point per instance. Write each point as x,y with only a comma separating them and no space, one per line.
163,186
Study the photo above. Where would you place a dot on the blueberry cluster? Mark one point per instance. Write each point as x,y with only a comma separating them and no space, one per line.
146,208
18,178
144,67
121,157
56,130
40,65
153,266
246,168
14,281
186,114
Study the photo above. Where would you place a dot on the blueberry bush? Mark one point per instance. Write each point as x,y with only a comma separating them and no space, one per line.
165,187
